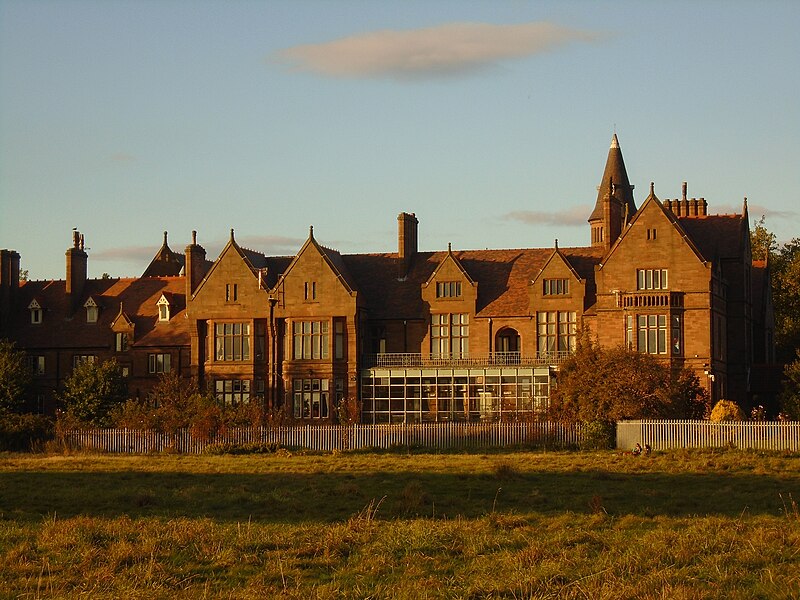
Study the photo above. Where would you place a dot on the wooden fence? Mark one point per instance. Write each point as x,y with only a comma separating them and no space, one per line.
756,435
336,437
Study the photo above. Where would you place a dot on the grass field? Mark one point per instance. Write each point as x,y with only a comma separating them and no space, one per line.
398,525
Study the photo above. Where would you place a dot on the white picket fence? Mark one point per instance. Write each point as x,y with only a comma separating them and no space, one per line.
664,435
336,437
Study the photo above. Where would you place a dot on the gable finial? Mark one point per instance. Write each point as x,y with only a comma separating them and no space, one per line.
165,238
556,243
652,188
231,233
449,247
311,231
194,237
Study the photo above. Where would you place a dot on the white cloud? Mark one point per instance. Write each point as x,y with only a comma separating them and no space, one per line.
571,217
445,50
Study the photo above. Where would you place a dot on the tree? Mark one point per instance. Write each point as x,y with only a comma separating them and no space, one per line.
15,377
762,241
784,269
790,395
785,272
607,385
93,391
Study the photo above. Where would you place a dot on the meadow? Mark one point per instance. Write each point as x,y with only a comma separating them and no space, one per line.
516,524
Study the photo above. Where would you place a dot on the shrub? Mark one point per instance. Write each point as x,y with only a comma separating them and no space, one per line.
24,432
599,435
612,384
726,410
251,448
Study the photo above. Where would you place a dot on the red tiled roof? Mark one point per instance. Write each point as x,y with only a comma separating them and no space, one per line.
502,277
63,328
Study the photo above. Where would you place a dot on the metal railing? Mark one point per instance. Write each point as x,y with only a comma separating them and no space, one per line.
495,359
335,437
665,435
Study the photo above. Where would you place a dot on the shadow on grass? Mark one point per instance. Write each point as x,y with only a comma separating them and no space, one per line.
330,497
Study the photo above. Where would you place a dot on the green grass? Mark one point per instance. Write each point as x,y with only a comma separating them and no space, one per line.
394,525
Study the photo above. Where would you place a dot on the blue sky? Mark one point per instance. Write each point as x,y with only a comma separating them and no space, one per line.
489,120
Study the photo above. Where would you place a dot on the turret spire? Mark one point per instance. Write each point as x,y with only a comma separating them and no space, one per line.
614,206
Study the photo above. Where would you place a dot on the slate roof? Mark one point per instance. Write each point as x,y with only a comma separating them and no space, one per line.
715,236
165,263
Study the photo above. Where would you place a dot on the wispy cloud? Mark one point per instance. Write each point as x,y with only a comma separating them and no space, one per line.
446,50
570,217
142,254
271,244
757,211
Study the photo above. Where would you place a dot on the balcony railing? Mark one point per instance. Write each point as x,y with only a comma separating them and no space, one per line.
495,359
648,299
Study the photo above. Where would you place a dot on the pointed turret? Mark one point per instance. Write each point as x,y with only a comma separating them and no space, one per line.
614,207
165,263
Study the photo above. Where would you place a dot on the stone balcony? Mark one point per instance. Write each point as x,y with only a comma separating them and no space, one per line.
650,299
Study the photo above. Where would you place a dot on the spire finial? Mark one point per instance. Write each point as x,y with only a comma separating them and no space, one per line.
614,140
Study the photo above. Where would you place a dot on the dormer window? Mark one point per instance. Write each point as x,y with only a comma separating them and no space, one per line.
163,308
92,310
36,312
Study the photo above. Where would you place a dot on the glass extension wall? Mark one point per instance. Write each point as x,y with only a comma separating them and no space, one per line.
476,394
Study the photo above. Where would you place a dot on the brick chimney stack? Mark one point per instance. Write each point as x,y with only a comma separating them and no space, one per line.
9,284
77,269
406,240
194,267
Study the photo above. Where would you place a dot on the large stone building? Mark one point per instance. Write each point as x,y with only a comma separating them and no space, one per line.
415,336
